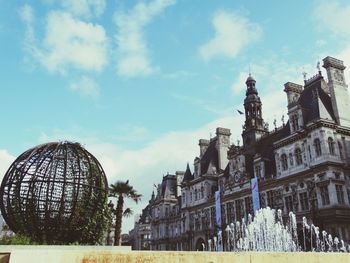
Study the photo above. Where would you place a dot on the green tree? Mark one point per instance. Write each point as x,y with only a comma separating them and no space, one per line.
122,190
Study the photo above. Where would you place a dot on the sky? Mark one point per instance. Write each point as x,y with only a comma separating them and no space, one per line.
138,83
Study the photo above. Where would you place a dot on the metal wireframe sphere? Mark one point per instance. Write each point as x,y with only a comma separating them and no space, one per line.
51,191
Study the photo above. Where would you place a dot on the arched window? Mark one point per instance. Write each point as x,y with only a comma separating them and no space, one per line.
202,191
298,156
331,146
340,149
317,145
195,194
284,162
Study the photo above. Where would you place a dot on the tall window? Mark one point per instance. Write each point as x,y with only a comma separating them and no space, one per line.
230,212
295,123
248,205
284,162
202,191
331,146
239,209
258,171
223,213
195,194
340,149
212,216
317,145
298,156
304,201
340,194
289,203
270,199
324,195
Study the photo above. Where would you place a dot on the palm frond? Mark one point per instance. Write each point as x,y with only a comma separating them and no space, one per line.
128,212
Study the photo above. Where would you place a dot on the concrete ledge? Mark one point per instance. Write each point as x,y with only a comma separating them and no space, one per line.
96,254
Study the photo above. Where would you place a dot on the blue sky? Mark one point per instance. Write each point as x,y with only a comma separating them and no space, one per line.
139,82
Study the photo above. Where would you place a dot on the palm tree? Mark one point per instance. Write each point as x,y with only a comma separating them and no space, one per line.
122,190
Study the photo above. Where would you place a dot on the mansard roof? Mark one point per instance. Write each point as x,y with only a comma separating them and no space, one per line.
313,96
188,176
145,212
168,186
210,156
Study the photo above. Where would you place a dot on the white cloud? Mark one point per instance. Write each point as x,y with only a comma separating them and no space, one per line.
271,75
132,47
68,42
86,87
5,161
26,14
335,17
345,56
203,104
332,15
85,8
233,32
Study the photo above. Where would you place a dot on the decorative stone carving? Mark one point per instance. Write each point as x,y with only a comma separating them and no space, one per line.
338,76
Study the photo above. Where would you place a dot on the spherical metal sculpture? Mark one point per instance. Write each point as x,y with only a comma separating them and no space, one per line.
52,191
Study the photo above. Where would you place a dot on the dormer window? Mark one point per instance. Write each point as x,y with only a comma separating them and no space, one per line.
317,145
295,122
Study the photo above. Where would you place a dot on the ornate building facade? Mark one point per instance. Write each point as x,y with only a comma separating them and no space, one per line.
303,166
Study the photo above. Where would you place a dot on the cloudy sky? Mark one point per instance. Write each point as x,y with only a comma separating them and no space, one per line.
139,82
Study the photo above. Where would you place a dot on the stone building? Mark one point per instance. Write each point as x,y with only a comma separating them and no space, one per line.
140,235
302,166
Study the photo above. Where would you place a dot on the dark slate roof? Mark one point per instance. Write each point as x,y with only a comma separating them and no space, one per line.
264,147
145,212
188,176
227,171
309,100
210,156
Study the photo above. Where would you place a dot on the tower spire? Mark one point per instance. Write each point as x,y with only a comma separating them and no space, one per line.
254,123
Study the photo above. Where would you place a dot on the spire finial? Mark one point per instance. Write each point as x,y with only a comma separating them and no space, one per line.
319,67
250,72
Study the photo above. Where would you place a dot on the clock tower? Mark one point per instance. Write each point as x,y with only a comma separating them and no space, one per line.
254,126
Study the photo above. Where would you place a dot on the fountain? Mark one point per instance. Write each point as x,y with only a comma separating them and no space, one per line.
267,232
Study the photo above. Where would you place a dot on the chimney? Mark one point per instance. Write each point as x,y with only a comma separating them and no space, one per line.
203,145
338,90
293,92
222,145
179,178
